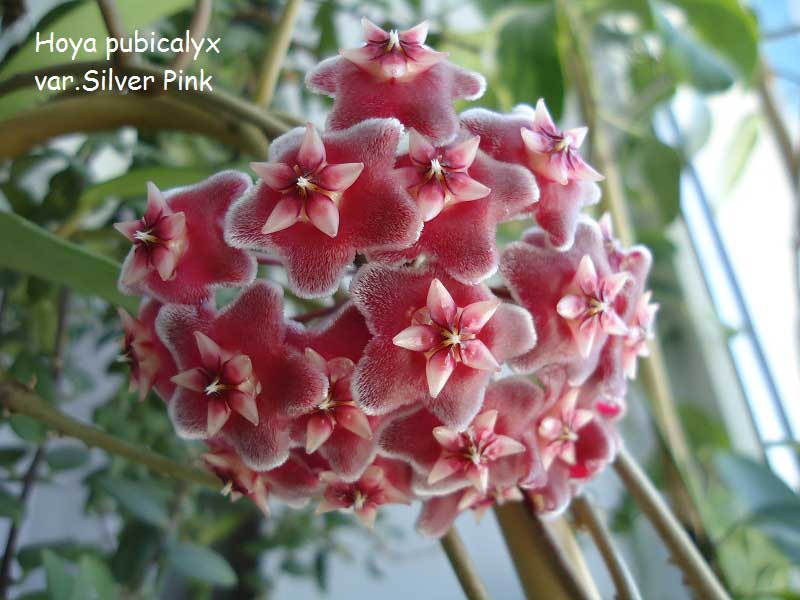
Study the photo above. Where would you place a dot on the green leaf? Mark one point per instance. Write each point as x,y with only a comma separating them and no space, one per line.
82,20
753,483
60,582
654,171
781,524
137,549
728,27
528,61
94,581
740,147
200,564
138,498
29,249
10,507
30,557
35,368
690,61
28,429
10,455
66,457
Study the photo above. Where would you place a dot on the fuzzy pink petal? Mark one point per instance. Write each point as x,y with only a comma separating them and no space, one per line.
416,34
419,338
354,421
210,352
278,176
438,370
447,438
463,154
430,199
477,314
128,228
318,431
388,377
420,150
443,468
571,306
465,188
312,151
337,178
323,214
285,214
193,379
440,304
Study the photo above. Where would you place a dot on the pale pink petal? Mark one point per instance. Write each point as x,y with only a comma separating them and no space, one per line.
318,430
339,368
165,261
419,338
218,414
210,352
373,33
542,118
156,204
535,142
128,228
337,178
323,213
172,227
438,370
430,199
354,420
465,188
584,171
585,334
567,453
408,177
316,359
312,151
447,438
237,369
476,315
612,323
586,276
581,418
470,498
571,306
485,422
285,214
136,268
244,404
476,355
393,65
277,176
441,305
506,446
550,428
420,150
576,135
478,476
367,515
326,506
362,57
415,35
611,285
193,379
462,155
443,468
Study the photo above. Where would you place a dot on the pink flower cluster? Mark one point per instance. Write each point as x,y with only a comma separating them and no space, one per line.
426,383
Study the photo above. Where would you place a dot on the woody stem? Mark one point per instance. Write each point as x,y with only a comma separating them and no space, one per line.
463,566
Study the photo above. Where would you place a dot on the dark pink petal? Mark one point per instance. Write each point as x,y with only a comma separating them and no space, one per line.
464,188
462,155
318,431
438,514
277,176
430,199
388,377
420,150
128,228
312,151
323,214
338,178
285,214
193,379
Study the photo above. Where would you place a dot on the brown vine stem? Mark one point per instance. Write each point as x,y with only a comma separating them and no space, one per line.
276,54
103,112
197,29
463,566
114,26
542,568
684,553
587,517
18,399
654,370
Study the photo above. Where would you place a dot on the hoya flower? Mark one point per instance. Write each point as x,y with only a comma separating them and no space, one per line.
436,341
395,75
539,277
323,198
560,429
376,487
552,496
439,512
529,137
591,305
239,380
392,54
150,363
470,453
179,254
640,333
337,429
463,194
294,481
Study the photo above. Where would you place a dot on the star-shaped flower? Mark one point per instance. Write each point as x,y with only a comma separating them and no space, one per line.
239,379
426,349
324,198
179,254
389,76
560,429
640,333
398,55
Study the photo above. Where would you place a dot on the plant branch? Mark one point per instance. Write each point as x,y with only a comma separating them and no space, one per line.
586,516
276,54
21,400
197,29
103,112
683,551
542,568
463,566
114,26
317,313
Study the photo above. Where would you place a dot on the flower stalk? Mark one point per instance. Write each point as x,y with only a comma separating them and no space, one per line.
463,566
276,54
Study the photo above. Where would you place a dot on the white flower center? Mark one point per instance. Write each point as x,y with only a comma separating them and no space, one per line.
303,183
214,387
394,40
145,237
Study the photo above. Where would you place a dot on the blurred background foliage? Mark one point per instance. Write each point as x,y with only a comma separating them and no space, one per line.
165,539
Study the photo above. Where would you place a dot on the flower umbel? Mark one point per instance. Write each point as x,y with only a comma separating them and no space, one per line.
446,334
559,431
363,497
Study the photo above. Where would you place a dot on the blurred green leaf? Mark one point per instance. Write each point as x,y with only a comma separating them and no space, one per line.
139,498
94,581
781,524
138,546
528,61
690,61
60,582
753,483
31,556
654,171
10,507
30,368
66,457
26,248
703,429
28,429
728,27
10,456
740,147
201,564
